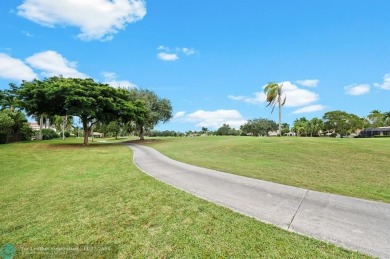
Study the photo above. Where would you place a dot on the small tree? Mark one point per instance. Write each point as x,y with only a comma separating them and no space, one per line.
114,127
157,110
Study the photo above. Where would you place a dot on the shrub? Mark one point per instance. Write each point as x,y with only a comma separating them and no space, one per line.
49,134
67,134
26,132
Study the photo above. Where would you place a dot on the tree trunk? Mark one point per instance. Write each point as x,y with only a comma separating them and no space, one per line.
141,132
280,117
86,132
91,129
64,118
40,137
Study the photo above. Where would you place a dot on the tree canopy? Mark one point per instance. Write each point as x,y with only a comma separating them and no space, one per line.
258,127
157,110
85,98
342,122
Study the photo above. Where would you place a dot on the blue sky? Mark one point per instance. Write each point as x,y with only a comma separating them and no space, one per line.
210,58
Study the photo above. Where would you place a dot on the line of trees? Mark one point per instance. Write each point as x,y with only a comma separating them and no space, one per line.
331,123
92,102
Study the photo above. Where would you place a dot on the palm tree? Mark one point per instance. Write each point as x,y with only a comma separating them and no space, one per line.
275,95
376,118
386,118
317,125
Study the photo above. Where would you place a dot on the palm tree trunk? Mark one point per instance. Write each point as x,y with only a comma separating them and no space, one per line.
280,117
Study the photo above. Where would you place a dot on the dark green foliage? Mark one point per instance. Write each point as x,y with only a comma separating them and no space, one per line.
67,134
226,130
49,134
158,110
85,98
3,137
26,132
342,123
165,133
258,127
14,126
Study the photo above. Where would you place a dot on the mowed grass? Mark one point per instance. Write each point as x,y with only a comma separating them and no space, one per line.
352,167
56,194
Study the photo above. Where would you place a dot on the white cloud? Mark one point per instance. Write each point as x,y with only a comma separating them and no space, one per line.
27,34
386,82
110,79
308,82
15,69
162,47
167,56
51,63
97,19
357,89
179,115
257,99
295,96
188,51
308,109
213,119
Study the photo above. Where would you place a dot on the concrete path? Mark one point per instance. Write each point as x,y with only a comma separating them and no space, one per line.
352,223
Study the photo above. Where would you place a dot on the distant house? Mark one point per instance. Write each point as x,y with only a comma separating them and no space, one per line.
97,135
372,132
273,133
34,125
290,134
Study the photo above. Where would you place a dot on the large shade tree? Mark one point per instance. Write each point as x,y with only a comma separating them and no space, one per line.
275,96
90,101
258,127
158,110
342,122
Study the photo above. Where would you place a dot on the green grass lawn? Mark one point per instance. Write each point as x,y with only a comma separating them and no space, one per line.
56,194
352,167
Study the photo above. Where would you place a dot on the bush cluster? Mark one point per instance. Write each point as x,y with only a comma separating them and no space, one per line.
49,134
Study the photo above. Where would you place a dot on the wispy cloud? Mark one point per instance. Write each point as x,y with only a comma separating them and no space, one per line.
212,119
386,83
27,34
110,78
167,56
52,63
96,19
357,89
309,109
15,69
308,82
258,98
179,115
188,51
172,54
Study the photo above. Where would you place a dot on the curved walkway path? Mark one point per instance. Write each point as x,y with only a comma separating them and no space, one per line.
352,223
